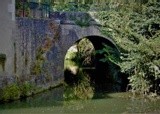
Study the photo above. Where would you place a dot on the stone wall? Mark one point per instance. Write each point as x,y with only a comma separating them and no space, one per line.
38,51
40,46
7,24
6,45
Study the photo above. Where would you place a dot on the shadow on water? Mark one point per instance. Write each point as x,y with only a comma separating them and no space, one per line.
105,77
52,102
48,98
109,94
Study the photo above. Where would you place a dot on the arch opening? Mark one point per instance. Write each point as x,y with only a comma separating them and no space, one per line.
82,59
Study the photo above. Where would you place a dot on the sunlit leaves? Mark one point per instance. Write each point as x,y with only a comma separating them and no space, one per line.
137,34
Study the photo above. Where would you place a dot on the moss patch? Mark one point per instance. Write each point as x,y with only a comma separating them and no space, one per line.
10,92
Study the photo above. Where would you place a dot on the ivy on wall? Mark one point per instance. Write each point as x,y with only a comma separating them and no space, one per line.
48,42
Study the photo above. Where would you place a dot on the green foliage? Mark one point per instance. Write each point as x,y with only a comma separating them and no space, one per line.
96,5
80,55
86,52
83,22
10,92
82,90
36,68
16,91
110,54
22,7
75,61
70,6
26,89
136,30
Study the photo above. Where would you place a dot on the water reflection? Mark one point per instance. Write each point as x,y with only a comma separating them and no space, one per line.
48,98
52,102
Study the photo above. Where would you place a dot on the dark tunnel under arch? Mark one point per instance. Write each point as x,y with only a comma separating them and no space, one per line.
97,41
105,74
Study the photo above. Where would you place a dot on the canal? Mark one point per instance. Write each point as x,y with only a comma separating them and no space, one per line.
52,101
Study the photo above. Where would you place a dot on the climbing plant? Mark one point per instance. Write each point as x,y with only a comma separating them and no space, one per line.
37,66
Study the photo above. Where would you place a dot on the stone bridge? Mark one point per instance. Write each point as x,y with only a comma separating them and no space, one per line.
40,46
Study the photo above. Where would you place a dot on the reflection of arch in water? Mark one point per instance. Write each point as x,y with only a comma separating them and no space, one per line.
105,76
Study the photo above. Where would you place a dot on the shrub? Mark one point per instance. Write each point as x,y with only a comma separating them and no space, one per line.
81,90
10,92
26,89
137,34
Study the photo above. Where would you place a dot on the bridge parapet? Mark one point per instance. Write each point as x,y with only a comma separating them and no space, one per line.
74,18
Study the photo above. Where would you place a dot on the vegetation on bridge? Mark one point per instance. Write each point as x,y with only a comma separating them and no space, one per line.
136,30
78,82
135,27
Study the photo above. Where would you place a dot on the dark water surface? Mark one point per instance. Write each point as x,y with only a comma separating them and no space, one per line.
51,102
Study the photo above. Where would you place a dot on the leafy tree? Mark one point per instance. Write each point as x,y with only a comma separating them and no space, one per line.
137,33
135,27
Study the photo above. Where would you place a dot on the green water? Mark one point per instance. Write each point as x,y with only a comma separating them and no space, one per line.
52,102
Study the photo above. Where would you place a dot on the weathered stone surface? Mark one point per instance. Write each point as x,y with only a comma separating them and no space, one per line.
6,40
40,45
6,80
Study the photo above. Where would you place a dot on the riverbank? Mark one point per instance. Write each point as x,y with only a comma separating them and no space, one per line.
21,91
52,102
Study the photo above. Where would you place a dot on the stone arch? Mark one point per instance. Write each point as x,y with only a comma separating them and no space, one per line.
75,38
102,39
97,42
